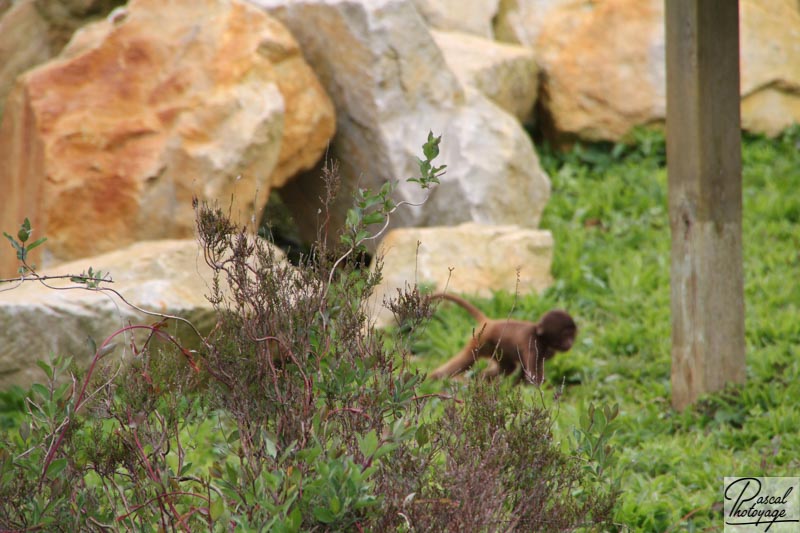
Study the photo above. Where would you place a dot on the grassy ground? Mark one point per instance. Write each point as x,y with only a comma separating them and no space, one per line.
609,216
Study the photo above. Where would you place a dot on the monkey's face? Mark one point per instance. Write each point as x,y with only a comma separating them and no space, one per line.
565,340
558,330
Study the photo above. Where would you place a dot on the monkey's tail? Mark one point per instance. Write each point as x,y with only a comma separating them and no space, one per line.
471,309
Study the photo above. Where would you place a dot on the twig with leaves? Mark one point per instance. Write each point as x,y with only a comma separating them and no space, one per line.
377,207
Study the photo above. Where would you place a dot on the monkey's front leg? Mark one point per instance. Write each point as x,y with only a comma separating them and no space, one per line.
492,370
460,362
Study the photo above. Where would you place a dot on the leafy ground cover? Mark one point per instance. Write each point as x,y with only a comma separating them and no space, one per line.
609,217
322,426
291,415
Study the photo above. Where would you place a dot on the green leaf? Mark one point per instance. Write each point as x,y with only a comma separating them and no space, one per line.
41,391
353,217
294,519
59,392
600,420
324,515
424,167
309,454
25,430
386,448
422,435
271,449
186,468
584,419
217,508
24,231
373,218
232,472
431,148
335,505
56,467
368,444
48,370
372,200
14,243
36,243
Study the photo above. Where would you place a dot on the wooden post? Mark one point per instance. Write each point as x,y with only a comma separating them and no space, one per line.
705,196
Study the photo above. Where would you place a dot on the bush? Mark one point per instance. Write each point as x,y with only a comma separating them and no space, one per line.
295,415
498,469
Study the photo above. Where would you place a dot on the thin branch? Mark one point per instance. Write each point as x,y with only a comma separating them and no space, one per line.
365,239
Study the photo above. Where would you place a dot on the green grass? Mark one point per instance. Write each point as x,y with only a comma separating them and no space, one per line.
609,217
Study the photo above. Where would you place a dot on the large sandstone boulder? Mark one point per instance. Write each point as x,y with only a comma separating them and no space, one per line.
521,21
770,36
108,144
467,16
64,17
604,68
168,276
21,23
391,85
604,64
506,74
33,31
468,259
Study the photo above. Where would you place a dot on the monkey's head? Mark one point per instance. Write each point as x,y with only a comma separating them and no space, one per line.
557,330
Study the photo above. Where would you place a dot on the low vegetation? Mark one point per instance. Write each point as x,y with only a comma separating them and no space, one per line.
609,217
293,417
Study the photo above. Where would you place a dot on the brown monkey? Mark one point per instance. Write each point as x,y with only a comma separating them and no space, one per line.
511,343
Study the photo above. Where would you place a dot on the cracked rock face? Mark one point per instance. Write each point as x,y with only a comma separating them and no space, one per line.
391,84
107,144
